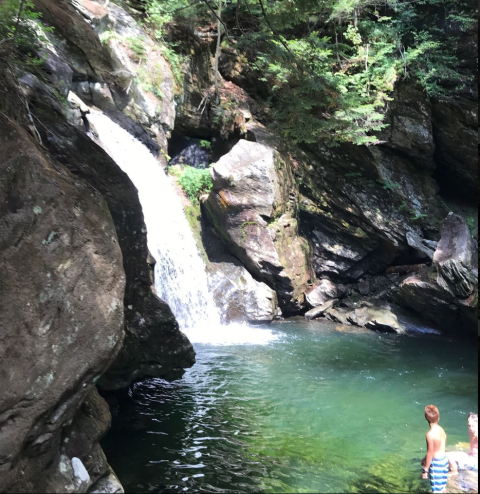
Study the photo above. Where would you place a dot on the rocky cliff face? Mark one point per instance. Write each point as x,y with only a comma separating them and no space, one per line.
61,304
366,212
300,228
76,288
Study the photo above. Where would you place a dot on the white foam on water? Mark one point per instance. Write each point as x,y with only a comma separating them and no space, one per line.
232,334
180,277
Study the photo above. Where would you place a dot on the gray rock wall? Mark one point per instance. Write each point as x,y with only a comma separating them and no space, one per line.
61,302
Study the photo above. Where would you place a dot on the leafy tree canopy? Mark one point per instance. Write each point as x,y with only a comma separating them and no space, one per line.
330,66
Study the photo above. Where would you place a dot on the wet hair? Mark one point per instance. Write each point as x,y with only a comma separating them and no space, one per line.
432,414
472,421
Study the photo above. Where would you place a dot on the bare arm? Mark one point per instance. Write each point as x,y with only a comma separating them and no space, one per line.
430,453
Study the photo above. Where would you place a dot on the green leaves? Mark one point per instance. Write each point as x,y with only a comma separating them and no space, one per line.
330,66
195,182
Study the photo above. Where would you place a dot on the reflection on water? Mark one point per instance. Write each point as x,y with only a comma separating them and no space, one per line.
308,409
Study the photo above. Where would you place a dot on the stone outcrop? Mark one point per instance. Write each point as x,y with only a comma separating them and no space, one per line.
367,317
322,291
253,208
239,297
113,65
447,292
81,465
455,130
358,205
61,303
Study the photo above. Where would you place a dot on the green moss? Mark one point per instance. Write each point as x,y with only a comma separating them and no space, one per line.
194,217
243,226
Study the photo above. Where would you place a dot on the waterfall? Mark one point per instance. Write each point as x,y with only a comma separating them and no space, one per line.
180,277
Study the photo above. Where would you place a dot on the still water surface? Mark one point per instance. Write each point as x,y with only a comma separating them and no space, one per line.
296,407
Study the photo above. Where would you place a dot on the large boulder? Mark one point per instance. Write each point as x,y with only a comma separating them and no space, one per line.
322,291
239,297
447,293
62,287
379,319
253,208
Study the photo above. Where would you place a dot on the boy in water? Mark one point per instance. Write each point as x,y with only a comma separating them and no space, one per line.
435,462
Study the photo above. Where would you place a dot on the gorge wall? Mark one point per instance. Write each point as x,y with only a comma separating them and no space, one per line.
284,230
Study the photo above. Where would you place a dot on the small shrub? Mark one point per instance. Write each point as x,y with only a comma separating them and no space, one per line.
137,45
205,144
195,182
418,216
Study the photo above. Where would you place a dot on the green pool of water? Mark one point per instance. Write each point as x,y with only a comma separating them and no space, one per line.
313,410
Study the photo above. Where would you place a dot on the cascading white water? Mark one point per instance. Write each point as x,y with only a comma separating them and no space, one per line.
180,277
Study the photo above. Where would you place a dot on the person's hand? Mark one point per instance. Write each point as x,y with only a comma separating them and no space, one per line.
425,476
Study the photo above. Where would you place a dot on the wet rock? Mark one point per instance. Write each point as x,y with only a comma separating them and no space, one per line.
367,317
107,485
320,310
62,286
252,207
193,154
447,292
239,297
322,291
363,287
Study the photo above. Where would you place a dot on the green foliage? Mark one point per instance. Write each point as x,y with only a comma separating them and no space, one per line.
329,66
106,36
243,227
137,45
195,182
20,31
389,185
471,224
205,144
417,216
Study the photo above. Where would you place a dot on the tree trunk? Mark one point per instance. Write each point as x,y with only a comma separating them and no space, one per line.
19,16
217,51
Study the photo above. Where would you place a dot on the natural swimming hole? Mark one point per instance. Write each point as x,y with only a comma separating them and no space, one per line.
295,407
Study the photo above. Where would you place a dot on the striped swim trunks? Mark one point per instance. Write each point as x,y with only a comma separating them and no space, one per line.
438,473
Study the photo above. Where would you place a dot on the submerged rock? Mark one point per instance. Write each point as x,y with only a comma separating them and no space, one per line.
252,207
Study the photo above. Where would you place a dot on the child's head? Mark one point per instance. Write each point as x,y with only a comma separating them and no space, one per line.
472,422
432,414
